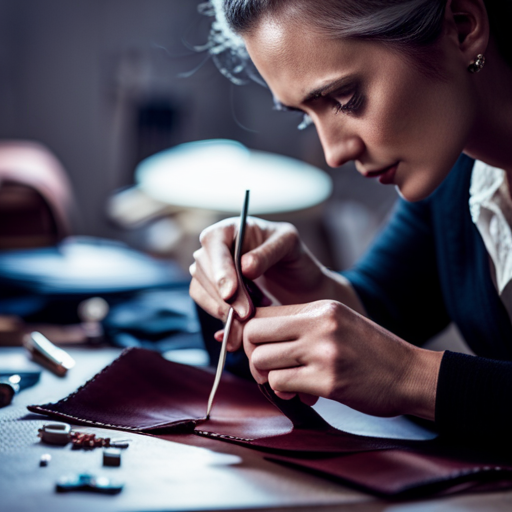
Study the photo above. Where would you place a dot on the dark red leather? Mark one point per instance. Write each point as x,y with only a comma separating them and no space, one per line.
406,474
143,392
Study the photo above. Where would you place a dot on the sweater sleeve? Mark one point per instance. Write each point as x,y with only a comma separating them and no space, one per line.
474,397
398,281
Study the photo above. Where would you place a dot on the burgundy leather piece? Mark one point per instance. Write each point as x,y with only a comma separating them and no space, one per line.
141,391
399,472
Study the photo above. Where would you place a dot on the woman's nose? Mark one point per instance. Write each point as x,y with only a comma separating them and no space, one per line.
340,148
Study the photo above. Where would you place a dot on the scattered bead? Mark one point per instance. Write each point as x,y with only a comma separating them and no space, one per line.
111,457
45,460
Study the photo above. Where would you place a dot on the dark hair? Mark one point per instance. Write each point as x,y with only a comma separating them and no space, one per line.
410,25
500,17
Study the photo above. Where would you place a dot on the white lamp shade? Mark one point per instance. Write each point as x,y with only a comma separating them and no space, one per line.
214,174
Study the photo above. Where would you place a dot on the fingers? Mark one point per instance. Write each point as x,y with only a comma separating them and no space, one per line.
294,380
272,356
281,243
269,341
216,257
267,244
210,303
235,335
308,399
268,362
273,324
215,269
264,360
206,294
285,396
197,272
304,397
281,352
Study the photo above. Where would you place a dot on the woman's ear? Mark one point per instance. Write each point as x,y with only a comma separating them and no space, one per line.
467,24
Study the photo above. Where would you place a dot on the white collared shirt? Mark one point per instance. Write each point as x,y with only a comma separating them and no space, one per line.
490,205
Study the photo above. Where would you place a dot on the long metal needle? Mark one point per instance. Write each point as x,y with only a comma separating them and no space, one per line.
239,242
222,361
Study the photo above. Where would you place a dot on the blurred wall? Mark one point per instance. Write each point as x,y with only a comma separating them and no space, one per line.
72,74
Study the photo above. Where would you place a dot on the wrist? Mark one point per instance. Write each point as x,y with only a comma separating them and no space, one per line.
420,383
338,287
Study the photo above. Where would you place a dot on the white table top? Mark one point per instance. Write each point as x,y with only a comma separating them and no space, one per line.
172,476
158,474
214,175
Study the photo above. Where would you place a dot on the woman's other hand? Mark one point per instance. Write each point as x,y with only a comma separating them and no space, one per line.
326,349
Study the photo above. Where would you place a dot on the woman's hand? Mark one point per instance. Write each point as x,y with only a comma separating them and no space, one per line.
326,349
273,255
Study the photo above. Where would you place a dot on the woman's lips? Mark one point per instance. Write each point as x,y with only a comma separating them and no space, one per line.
385,176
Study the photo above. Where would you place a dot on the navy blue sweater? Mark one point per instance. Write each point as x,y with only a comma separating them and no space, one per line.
427,268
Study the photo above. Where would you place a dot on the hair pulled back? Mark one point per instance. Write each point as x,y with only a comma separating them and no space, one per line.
411,25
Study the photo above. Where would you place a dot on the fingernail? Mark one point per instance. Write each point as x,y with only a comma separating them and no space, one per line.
224,288
241,311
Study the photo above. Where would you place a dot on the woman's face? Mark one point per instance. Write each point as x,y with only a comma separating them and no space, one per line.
369,103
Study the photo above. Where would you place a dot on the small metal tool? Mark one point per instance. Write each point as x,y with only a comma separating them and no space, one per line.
9,386
239,241
221,363
55,433
12,383
44,352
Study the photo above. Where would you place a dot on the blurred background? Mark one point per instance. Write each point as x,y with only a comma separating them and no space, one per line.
104,84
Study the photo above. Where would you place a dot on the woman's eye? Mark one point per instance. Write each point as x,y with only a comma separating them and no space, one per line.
352,105
354,101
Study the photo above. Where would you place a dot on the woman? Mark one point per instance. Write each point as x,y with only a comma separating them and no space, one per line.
402,88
